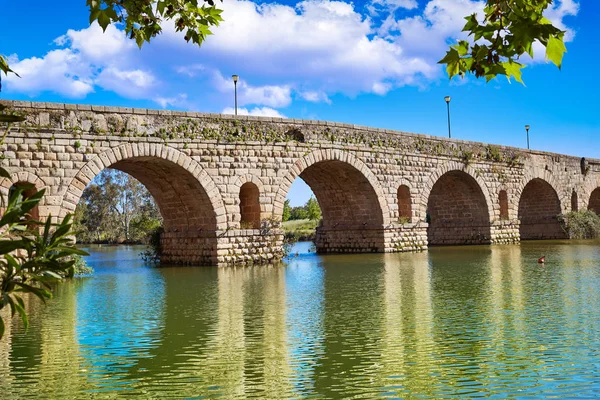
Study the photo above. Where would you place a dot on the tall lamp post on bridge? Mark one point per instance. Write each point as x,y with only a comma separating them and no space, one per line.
527,129
235,80
447,98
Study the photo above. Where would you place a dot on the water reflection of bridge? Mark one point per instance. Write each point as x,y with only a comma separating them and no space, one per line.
439,323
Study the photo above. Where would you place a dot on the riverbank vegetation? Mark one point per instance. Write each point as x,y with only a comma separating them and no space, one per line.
300,223
581,224
116,208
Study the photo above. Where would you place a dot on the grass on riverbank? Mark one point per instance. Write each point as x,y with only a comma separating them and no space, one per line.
300,230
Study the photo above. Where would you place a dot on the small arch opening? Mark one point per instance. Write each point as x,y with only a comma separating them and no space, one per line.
574,201
404,205
249,206
28,190
503,200
295,134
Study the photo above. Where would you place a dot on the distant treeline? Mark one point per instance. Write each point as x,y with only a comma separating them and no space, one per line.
310,210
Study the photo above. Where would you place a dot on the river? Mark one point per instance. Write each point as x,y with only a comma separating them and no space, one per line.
450,322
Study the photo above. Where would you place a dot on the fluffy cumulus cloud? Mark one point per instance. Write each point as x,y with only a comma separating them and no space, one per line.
307,52
88,59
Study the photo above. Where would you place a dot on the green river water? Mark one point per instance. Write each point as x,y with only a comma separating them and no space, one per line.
450,322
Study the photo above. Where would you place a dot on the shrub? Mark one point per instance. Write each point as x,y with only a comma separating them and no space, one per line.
581,224
81,267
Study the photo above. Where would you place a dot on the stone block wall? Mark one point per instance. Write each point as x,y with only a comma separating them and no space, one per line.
195,166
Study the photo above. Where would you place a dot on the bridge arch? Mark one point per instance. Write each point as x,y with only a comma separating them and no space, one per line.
539,207
188,199
18,178
457,206
594,201
590,194
353,206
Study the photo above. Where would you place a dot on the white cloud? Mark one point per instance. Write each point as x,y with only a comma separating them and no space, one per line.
95,45
326,45
179,101
190,70
308,52
315,96
268,95
60,71
127,83
89,59
257,111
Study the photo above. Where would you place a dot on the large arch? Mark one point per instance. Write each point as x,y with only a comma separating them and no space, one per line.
458,210
353,206
594,201
539,207
188,199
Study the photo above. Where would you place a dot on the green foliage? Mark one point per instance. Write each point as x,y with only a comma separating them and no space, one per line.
287,211
298,213
154,251
581,224
313,210
33,255
116,208
143,19
404,220
81,267
508,31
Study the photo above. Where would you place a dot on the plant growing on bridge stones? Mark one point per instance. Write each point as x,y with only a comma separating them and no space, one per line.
33,255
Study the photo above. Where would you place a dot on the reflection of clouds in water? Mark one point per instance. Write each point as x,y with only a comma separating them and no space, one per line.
305,296
119,318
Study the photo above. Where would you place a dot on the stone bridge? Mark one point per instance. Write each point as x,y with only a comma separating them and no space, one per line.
221,181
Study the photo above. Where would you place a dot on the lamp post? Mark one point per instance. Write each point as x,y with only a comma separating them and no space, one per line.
235,79
447,98
527,129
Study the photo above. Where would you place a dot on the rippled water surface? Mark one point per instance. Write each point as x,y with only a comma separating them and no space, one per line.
451,322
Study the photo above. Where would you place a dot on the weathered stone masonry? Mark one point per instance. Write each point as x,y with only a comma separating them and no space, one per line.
220,181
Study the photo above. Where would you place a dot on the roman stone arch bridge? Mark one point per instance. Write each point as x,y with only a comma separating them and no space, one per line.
221,181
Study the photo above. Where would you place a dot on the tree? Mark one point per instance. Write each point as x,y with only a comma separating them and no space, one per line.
313,210
144,19
287,211
298,213
116,208
508,30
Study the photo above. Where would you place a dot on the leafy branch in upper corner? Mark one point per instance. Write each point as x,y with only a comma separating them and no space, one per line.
33,255
509,30
143,19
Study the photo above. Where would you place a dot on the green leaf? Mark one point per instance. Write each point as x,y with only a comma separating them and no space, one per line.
20,307
513,69
103,19
555,50
8,246
1,327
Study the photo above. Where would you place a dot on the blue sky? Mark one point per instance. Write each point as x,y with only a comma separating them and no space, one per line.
370,63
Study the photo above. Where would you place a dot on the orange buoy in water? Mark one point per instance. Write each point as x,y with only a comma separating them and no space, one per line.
542,260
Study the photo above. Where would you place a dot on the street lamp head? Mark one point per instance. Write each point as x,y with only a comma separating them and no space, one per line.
527,127
235,78
447,98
